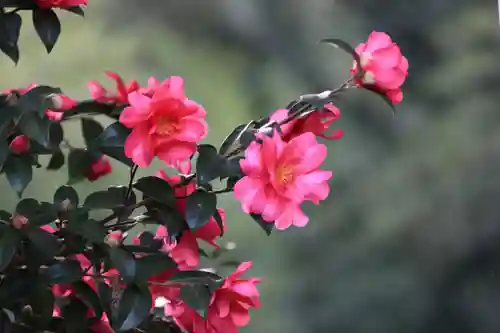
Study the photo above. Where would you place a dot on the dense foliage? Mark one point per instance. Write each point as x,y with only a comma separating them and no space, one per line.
65,270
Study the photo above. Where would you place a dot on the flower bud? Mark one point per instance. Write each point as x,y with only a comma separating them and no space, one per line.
99,168
20,145
114,238
19,221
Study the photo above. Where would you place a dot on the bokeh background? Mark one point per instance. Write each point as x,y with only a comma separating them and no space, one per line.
409,238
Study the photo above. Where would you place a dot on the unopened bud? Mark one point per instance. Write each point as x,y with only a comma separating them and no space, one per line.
19,221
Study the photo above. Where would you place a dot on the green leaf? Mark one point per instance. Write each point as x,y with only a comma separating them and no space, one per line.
7,115
56,134
88,296
42,300
196,297
266,226
196,277
78,10
37,99
28,207
4,151
105,293
88,229
111,198
344,46
91,130
170,218
79,161
10,27
19,173
43,246
47,26
124,262
152,264
112,142
75,316
56,161
135,305
89,107
66,192
200,207
156,188
208,165
36,128
67,271
9,243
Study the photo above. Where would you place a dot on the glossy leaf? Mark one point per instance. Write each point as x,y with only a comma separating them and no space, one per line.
56,161
47,26
156,188
91,130
19,172
124,262
9,242
112,142
135,305
111,198
200,207
66,192
67,271
266,226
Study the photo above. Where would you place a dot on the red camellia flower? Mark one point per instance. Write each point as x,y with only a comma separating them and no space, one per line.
100,94
280,175
20,145
167,124
317,123
46,4
385,68
98,169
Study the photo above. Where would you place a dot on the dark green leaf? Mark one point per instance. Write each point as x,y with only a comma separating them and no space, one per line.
19,173
12,51
208,165
42,300
88,296
37,99
36,128
28,207
6,321
7,114
9,243
75,315
63,272
156,188
5,216
200,207
88,229
90,107
124,262
47,26
78,10
56,161
152,264
4,151
113,197
135,305
112,142
266,226
66,192
344,46
91,130
196,277
56,134
43,246
196,297
10,28
105,293
79,161
230,139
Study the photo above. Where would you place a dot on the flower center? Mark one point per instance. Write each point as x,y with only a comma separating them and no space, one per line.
284,175
165,126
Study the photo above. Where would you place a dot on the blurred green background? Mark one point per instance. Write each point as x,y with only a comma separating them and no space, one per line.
409,238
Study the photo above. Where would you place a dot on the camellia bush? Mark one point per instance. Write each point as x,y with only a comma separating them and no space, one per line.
62,269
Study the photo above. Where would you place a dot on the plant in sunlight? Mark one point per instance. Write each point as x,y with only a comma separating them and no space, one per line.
77,264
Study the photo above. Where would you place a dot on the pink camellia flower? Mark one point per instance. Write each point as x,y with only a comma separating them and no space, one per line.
385,68
47,4
19,221
280,175
317,123
20,144
21,91
229,304
167,125
100,94
99,168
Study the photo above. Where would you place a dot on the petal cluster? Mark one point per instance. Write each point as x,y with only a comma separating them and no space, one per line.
280,176
166,124
384,67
